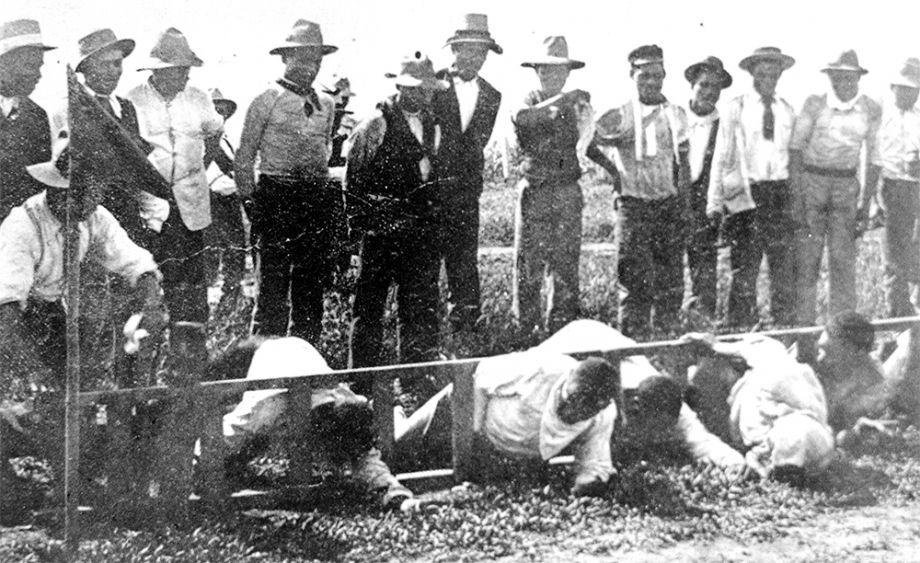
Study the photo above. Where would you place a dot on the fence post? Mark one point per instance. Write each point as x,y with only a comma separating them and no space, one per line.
382,394
462,410
300,401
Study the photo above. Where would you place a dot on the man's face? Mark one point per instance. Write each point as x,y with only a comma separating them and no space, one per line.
20,71
649,80
170,81
302,64
469,58
766,75
904,96
845,83
102,71
706,92
552,78
57,203
414,98
223,110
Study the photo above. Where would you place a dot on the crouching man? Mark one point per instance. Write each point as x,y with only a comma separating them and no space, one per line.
543,402
32,315
341,427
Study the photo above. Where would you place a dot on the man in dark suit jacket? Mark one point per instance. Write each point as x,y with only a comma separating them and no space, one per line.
100,62
466,112
24,131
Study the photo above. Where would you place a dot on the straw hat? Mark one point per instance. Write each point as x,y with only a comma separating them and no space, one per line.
909,74
645,55
101,40
555,52
475,29
847,61
21,33
711,64
771,54
417,71
49,173
304,34
171,49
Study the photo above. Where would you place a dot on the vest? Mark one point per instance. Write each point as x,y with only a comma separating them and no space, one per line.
24,140
549,147
404,202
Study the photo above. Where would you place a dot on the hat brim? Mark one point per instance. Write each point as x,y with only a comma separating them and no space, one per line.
410,82
748,63
48,174
845,68
157,64
324,49
901,81
547,61
725,79
41,46
126,46
490,43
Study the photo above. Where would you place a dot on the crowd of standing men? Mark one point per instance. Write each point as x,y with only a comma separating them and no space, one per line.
771,182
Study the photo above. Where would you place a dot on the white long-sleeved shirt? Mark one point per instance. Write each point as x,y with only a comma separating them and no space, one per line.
177,129
32,251
589,335
897,142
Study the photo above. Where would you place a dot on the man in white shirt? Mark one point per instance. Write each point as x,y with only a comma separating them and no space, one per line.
175,119
707,78
749,183
897,153
541,403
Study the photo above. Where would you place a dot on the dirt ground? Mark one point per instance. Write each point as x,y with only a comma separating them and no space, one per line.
865,535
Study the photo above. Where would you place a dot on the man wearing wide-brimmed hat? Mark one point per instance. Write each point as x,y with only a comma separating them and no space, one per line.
24,130
897,153
552,128
175,119
32,316
391,181
467,112
749,188
100,63
829,134
650,135
289,128
707,79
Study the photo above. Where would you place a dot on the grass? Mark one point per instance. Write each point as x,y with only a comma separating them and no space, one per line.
650,506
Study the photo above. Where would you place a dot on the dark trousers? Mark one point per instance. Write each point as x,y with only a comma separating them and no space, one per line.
459,239
411,262
179,254
902,262
294,228
226,242
702,253
650,264
767,230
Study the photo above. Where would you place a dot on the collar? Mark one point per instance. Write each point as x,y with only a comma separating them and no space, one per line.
9,104
695,120
294,87
464,83
836,103
113,101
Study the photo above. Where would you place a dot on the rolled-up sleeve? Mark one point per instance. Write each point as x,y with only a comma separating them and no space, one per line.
117,252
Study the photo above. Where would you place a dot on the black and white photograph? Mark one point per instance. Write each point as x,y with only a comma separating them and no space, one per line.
412,281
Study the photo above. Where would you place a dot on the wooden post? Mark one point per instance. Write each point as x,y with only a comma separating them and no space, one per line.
300,401
71,397
464,459
383,412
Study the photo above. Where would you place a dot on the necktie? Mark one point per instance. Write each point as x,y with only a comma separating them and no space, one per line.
106,105
769,120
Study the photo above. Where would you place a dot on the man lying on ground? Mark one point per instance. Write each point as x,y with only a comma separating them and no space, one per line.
754,392
543,402
341,421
